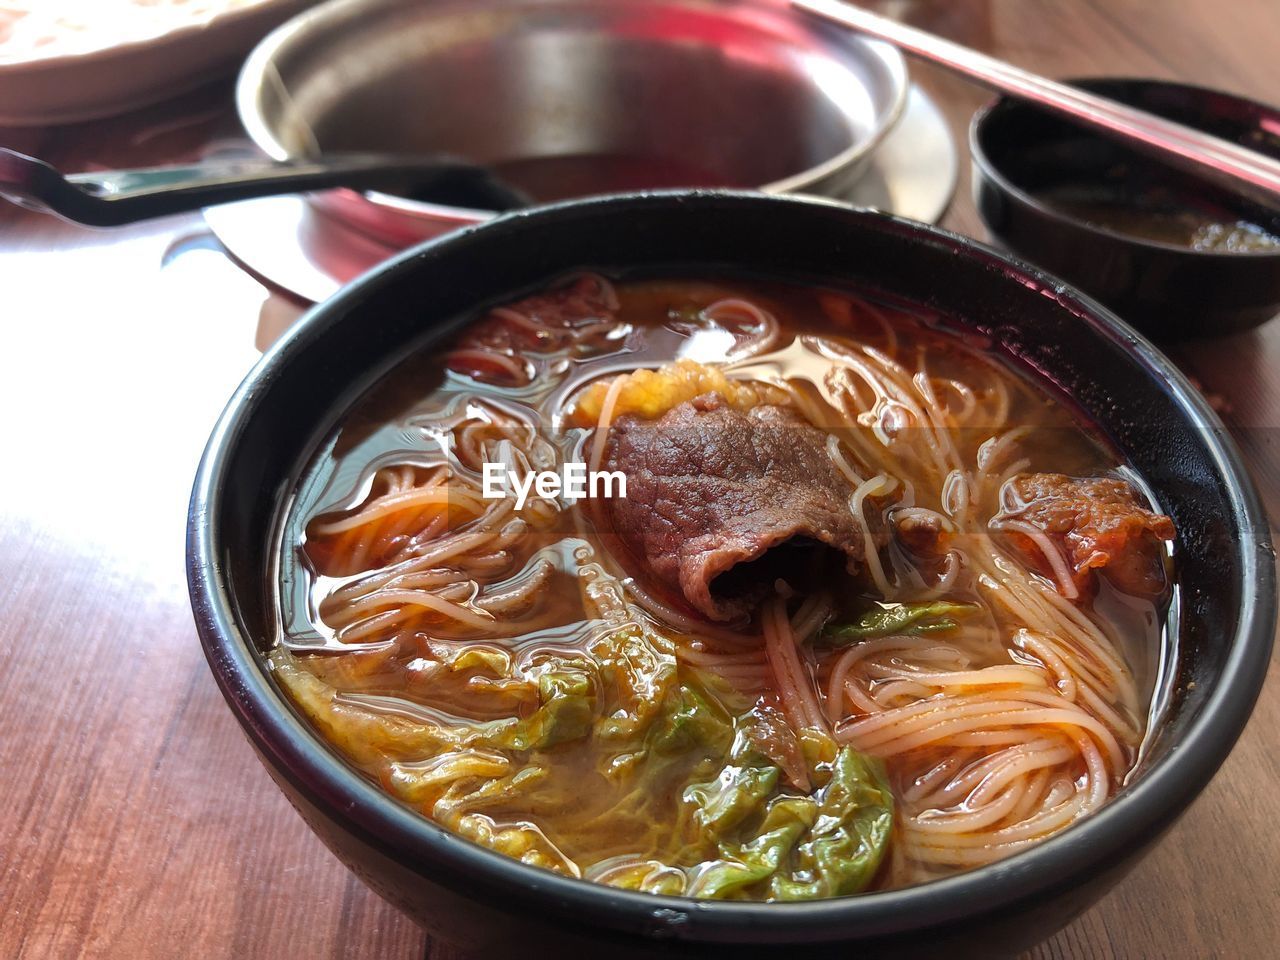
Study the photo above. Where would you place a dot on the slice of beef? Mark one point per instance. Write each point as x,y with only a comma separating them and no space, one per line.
721,503
1100,524
494,349
553,315
923,533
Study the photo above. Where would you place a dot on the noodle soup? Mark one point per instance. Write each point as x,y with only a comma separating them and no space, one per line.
876,606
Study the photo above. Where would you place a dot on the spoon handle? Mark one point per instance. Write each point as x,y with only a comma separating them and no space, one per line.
114,197
1228,164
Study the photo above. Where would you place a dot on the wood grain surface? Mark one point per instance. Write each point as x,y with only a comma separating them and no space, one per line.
136,822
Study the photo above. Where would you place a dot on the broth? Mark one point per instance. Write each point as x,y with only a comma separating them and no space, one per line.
531,680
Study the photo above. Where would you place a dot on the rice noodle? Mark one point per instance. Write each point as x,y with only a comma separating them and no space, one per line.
441,555
996,733
989,758
601,437
766,336
792,679
1002,733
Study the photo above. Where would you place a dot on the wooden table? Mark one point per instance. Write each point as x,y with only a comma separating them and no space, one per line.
135,821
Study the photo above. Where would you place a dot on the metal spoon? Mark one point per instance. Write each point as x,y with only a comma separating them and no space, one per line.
1237,168
116,197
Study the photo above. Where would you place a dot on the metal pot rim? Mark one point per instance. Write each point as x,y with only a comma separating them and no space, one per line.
260,71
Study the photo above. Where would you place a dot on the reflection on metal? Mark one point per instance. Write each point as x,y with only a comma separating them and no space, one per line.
289,244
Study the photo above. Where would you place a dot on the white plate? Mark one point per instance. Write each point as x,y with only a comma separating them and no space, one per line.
289,244
65,88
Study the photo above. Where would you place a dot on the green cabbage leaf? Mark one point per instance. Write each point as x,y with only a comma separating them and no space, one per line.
913,619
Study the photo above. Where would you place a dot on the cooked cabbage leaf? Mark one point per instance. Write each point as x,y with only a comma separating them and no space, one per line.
739,828
648,876
728,800
843,849
827,845
745,864
568,705
691,719
938,616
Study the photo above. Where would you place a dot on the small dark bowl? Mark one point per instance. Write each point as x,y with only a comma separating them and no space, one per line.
1166,291
501,908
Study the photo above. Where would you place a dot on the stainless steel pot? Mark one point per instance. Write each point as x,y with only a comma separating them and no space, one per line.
733,93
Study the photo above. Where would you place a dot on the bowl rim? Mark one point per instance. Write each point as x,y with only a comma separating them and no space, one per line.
1137,815
259,71
983,163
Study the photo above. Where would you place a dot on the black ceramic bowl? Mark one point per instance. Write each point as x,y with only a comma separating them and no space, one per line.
1165,290
499,907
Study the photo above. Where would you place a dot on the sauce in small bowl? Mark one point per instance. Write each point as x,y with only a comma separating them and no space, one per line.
1175,256
1161,216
